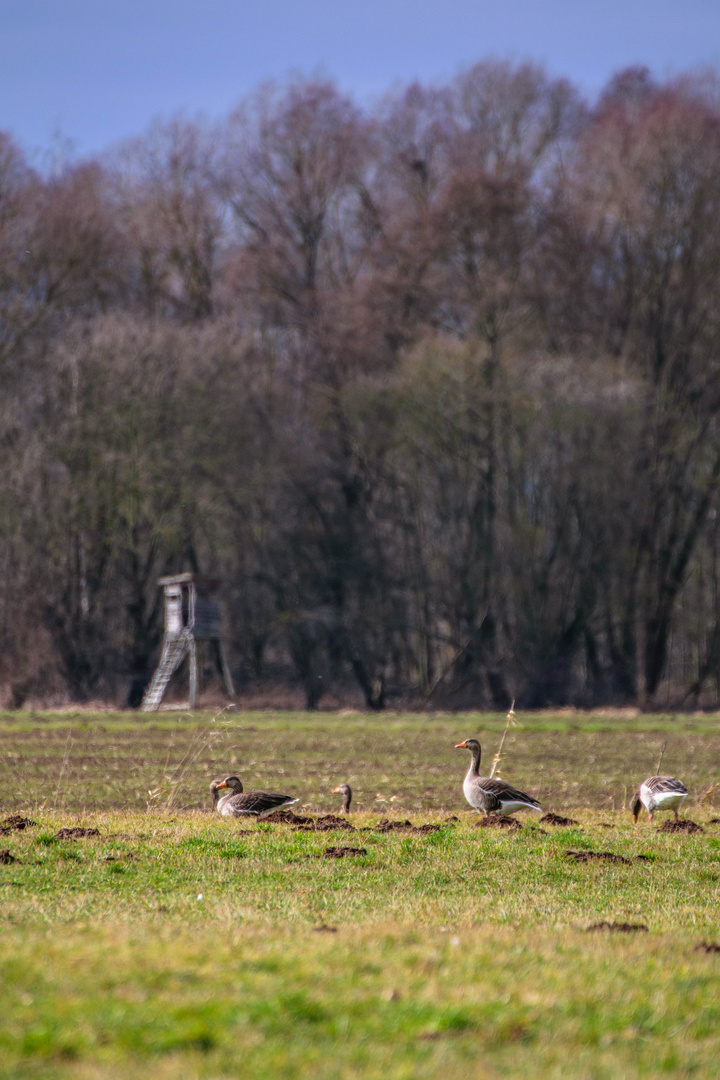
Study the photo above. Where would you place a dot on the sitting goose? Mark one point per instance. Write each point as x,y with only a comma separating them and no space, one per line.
658,793
346,791
237,802
487,794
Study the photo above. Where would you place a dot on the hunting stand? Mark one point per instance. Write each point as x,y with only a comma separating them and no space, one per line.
192,614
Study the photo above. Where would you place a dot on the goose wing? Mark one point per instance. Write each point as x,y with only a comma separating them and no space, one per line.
661,784
499,792
255,802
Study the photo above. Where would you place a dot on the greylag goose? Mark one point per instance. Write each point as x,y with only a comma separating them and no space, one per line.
238,802
658,793
346,791
487,794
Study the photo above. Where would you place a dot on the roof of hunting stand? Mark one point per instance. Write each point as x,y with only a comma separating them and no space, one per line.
189,578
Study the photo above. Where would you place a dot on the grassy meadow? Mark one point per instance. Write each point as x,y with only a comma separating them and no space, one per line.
170,941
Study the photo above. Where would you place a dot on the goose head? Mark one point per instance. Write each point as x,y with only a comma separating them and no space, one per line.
635,806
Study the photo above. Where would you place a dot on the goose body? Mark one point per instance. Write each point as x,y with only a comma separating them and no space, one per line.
238,803
488,795
658,793
346,791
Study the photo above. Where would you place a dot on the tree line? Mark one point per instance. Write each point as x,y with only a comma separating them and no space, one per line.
433,386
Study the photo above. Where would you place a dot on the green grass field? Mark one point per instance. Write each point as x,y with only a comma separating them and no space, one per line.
178,944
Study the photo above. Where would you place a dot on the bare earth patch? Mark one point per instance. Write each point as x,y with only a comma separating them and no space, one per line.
595,856
15,823
6,859
287,817
707,947
557,819
76,832
618,928
341,852
683,825
497,821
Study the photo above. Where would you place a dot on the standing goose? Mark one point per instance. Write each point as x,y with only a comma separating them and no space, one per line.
487,794
237,802
658,793
346,791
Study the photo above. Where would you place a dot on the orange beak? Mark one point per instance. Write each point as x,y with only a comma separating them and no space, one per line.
461,746
222,785
336,791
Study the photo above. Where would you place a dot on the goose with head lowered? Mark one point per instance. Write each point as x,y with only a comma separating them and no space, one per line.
239,803
658,793
488,795
346,791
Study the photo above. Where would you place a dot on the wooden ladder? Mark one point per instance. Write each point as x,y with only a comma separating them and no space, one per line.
174,652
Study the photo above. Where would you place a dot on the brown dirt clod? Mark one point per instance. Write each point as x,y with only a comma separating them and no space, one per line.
617,927
76,832
682,825
6,858
557,819
497,821
287,817
341,852
331,822
595,856
14,824
707,947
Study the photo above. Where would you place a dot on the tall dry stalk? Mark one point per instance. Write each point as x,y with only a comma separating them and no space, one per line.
662,754
63,768
204,739
510,722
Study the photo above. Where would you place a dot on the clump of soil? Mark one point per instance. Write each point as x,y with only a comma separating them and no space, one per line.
389,826
683,825
497,821
75,833
595,856
6,858
715,820
287,817
14,824
323,929
331,821
707,947
618,927
341,852
404,826
557,819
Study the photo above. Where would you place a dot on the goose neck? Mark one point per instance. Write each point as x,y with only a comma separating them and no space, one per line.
474,769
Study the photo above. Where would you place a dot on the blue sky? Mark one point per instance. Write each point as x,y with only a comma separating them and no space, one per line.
88,73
